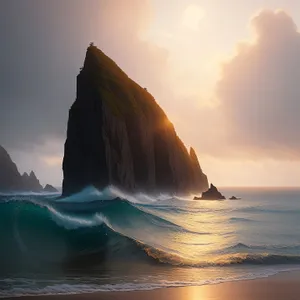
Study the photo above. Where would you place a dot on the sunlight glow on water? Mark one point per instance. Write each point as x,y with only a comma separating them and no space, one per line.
92,241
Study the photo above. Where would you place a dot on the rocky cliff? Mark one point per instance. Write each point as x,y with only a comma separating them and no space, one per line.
117,134
10,178
201,178
31,183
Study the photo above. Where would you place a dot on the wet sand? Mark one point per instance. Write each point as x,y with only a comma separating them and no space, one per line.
284,286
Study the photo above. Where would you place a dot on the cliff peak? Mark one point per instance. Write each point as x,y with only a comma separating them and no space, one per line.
97,60
118,135
32,175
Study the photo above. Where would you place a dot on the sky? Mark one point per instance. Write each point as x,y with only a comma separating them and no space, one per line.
227,73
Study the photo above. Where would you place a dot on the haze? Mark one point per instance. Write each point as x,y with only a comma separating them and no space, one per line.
227,75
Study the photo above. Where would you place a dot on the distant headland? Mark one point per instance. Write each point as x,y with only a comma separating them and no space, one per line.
12,181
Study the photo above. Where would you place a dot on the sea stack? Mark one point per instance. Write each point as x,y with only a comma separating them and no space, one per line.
50,189
118,135
211,194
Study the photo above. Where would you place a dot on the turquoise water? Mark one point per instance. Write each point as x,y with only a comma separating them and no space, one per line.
110,241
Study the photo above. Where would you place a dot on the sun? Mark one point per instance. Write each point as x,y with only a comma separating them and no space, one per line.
192,15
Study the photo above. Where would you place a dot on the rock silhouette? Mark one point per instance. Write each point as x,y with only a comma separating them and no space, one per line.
50,189
211,194
31,183
118,135
10,178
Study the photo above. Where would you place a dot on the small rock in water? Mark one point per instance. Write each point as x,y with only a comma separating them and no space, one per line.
50,189
211,194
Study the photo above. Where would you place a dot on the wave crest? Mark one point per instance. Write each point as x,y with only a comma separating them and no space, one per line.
111,223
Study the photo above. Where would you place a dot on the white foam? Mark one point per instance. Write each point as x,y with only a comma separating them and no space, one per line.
71,289
19,193
88,194
92,194
70,222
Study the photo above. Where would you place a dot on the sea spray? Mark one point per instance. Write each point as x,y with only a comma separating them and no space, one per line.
144,240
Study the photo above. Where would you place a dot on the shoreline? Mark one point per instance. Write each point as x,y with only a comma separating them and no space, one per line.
284,285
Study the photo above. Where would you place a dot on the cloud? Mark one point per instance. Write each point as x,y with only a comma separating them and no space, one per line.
52,160
44,48
44,159
41,55
121,28
192,16
259,91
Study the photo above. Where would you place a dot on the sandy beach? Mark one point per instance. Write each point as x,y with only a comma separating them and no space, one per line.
283,286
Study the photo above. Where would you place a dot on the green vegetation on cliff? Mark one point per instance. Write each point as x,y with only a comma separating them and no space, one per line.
123,95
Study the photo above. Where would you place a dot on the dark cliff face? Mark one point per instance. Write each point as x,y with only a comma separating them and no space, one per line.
118,135
201,181
10,178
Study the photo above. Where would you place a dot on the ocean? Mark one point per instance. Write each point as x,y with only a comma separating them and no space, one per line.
109,241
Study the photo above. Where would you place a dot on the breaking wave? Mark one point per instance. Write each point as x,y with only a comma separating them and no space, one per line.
110,225
91,241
